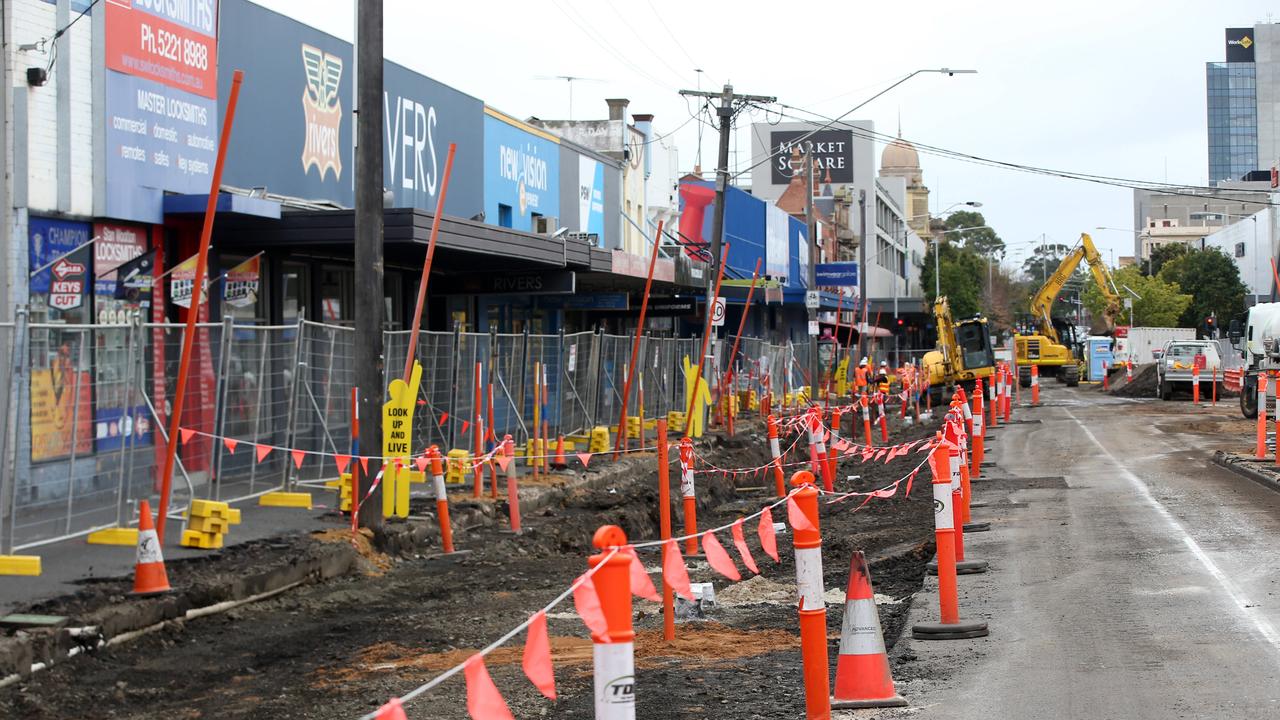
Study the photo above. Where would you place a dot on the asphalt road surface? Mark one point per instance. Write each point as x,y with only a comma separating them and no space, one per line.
1144,585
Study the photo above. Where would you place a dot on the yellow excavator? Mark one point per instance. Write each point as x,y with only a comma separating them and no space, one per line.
964,351
1045,348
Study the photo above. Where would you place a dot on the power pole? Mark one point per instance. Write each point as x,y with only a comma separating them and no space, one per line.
729,105
862,270
368,248
810,228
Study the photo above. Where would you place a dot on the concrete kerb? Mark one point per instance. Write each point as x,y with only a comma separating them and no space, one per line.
1245,467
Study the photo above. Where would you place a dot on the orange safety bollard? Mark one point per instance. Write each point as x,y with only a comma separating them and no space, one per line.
477,436
993,394
664,527
807,542
489,436
1261,450
1007,403
820,448
1106,377
613,652
1195,383
560,462
149,576
866,418
836,415
1128,370
950,627
964,409
1276,414
863,678
775,452
1035,384
513,486
689,498
442,498
979,431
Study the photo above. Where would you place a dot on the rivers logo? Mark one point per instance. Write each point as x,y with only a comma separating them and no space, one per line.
322,109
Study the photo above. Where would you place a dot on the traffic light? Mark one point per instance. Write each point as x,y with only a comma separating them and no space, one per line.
900,322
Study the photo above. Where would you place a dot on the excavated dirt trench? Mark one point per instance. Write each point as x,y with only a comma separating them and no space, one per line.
340,648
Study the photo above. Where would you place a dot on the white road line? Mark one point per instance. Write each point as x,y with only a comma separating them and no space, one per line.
1245,608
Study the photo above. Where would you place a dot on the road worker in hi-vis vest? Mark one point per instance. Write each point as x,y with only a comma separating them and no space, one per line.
882,378
860,377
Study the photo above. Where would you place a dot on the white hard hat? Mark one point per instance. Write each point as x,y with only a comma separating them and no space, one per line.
864,360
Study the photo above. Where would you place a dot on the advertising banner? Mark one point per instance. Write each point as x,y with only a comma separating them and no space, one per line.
116,245
64,285
161,103
521,176
297,97
832,151
134,279
240,286
775,241
836,274
181,280
54,419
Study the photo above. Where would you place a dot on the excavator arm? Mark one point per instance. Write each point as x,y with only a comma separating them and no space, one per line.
1042,302
1102,278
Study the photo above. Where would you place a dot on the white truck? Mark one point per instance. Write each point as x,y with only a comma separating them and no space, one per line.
1142,345
1256,336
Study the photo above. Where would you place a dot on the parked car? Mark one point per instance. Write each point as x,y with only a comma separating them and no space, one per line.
1178,358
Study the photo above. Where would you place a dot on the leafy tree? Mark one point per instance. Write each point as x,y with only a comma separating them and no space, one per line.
963,273
1162,255
1161,305
979,238
1213,281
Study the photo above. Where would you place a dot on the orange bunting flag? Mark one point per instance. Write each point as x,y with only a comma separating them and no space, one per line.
342,461
641,583
465,424
768,538
484,702
910,479
717,558
744,552
393,710
184,435
796,517
421,462
364,465
298,457
584,458
673,569
537,656
262,451
587,603
503,460
231,444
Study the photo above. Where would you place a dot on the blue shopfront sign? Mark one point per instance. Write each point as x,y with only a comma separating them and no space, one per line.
293,132
521,174
591,197
836,274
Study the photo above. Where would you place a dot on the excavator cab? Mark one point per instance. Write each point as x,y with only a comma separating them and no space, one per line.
974,342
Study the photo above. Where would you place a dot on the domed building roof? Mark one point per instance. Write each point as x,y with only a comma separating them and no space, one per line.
899,155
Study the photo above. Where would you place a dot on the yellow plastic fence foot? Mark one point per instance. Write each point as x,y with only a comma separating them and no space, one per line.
286,499
115,536
19,564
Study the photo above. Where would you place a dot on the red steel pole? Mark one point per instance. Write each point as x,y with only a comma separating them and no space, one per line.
197,292
742,325
664,527
426,263
706,336
621,441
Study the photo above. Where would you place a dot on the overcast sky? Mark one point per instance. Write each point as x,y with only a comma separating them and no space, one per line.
1111,88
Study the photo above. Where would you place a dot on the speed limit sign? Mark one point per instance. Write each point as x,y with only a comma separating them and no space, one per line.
717,313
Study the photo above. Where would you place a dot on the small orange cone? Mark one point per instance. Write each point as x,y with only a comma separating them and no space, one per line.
149,577
863,679
560,463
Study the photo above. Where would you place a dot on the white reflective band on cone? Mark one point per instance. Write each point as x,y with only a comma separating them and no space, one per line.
438,482
149,547
773,447
686,483
968,413
977,425
809,578
613,665
955,472
942,519
866,413
860,631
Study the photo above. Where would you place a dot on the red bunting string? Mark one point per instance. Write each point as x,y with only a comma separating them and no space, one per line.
587,604
262,451
584,458
744,552
768,538
717,558
298,457
641,583
184,435
342,461
393,710
484,702
537,657
231,444
673,569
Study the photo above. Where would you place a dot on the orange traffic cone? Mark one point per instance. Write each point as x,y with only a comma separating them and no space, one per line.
149,577
863,679
559,462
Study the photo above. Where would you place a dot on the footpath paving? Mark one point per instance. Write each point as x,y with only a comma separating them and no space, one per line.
1130,577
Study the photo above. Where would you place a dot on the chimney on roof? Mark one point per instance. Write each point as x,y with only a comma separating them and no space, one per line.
618,108
644,123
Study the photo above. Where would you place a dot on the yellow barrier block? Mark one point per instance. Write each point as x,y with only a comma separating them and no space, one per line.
457,467
675,421
19,565
210,508
114,536
209,524
535,450
233,516
286,499
416,476
633,427
599,440
204,541
403,481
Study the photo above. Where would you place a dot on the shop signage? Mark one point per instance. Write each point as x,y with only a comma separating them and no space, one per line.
1240,44
161,103
65,280
671,306
832,151
594,301
512,283
521,174
241,283
66,290
297,97
625,263
837,274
